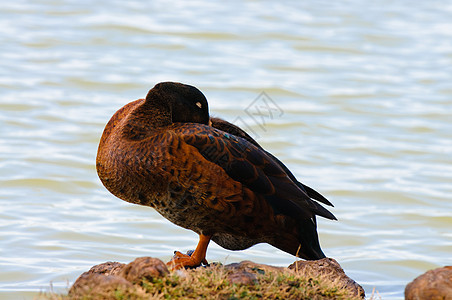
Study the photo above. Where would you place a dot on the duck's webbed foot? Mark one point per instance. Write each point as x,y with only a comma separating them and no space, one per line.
193,258
181,260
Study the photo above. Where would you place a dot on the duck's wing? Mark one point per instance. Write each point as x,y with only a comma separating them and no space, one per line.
253,168
237,131
232,129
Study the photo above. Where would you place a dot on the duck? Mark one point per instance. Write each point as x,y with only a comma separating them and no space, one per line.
206,175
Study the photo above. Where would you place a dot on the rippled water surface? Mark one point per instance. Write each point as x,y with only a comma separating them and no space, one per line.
362,104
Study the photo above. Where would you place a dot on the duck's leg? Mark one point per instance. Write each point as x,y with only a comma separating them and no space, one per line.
181,260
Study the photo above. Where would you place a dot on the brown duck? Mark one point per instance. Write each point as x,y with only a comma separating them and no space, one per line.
207,175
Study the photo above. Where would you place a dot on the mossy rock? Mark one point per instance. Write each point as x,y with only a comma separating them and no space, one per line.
149,278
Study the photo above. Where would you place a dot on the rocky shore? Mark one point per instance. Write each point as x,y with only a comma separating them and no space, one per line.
149,278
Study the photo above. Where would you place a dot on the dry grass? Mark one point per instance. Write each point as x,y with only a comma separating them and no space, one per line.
214,283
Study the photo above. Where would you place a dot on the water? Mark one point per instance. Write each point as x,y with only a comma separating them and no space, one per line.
363,96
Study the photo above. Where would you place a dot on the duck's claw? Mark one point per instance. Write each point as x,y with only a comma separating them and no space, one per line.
181,260
192,259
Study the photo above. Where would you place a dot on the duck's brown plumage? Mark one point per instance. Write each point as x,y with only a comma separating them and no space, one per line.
237,131
215,183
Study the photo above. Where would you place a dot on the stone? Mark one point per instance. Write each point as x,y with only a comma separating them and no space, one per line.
108,268
245,272
99,279
433,284
242,277
331,268
144,268
104,279
95,284
250,266
108,280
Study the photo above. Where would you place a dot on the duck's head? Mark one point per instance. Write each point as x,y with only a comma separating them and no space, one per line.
184,102
166,103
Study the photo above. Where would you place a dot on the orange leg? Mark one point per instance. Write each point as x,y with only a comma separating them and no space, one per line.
195,259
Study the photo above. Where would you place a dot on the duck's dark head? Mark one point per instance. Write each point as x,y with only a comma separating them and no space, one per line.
186,103
166,103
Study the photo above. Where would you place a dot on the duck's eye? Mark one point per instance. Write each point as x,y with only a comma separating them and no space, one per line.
199,104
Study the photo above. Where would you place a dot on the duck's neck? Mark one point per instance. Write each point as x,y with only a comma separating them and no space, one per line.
146,119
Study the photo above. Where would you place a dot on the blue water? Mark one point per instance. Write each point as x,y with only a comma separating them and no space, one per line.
363,96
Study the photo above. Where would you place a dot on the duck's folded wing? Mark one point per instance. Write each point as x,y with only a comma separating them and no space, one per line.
252,167
237,131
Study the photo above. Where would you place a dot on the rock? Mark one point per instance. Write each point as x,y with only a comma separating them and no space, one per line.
331,268
434,284
104,279
248,266
112,280
245,272
243,277
144,268
98,285
99,280
108,268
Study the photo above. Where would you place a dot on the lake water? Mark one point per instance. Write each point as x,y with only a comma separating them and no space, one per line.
359,102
